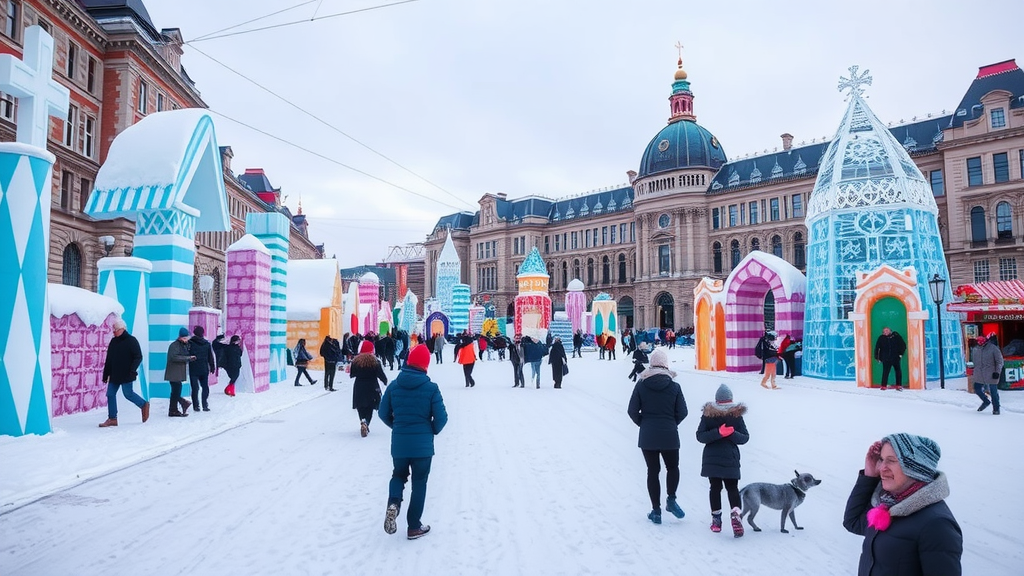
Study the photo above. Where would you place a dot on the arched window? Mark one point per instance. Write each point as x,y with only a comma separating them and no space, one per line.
1004,220
576,269
622,268
606,270
799,258
716,257
777,245
978,233
590,271
72,268
755,244
734,249
565,274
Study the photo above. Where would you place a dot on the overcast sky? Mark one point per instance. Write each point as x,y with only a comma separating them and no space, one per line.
548,97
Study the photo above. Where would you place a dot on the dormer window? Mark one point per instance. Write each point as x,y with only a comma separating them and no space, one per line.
998,118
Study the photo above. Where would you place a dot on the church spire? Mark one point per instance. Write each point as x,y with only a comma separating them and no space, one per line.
681,99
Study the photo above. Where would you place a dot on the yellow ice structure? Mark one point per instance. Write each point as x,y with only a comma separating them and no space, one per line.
314,305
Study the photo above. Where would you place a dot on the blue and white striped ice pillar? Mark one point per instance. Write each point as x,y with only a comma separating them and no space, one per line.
25,374
167,239
127,281
273,229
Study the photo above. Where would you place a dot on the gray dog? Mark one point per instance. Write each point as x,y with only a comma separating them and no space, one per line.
785,497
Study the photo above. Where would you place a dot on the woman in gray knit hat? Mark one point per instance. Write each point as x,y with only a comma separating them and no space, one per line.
898,505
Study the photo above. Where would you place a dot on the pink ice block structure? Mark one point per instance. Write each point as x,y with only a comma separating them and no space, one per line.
209,319
78,351
248,304
575,306
369,302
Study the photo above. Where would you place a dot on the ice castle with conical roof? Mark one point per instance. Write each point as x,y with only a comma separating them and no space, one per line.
449,273
871,207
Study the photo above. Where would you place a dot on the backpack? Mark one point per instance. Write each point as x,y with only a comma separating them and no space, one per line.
759,349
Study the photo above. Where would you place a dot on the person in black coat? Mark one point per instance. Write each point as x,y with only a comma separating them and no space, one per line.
898,505
639,361
201,367
577,344
657,406
120,369
231,361
558,362
366,393
889,350
330,351
722,430
515,356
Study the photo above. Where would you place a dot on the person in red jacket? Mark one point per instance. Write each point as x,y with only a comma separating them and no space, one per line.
609,345
787,360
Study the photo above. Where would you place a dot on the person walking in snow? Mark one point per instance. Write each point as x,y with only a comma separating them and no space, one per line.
120,369
657,406
414,410
465,354
366,392
515,356
609,344
898,504
330,351
439,343
722,431
577,344
988,367
639,362
533,354
176,372
889,350
770,357
558,362
200,368
231,361
301,358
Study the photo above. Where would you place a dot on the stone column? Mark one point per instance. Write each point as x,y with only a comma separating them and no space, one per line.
167,239
127,280
248,305
25,382
273,229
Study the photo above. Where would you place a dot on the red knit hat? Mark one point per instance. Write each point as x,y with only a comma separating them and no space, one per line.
366,347
419,357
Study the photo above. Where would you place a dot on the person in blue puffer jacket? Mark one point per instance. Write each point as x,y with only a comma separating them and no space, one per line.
414,410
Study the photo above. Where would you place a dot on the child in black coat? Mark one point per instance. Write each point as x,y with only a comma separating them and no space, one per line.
639,361
722,430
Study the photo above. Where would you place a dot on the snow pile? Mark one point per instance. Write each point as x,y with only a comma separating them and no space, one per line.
311,286
249,242
91,308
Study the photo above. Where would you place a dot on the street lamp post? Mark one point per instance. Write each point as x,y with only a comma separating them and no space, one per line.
938,288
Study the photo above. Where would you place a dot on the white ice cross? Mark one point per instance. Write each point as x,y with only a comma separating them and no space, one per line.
31,81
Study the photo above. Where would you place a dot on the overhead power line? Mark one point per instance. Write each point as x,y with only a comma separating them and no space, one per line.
329,125
332,160
214,36
300,5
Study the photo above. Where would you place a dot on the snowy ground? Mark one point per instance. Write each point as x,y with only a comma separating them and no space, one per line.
524,482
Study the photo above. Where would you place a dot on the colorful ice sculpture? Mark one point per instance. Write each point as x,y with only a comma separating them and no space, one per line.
384,318
165,173
25,194
314,304
369,302
350,306
605,311
407,318
709,324
476,319
870,207
460,309
575,304
533,305
248,306
436,323
209,319
449,273
274,229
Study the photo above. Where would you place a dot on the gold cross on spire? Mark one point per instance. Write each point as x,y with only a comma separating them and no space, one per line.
679,47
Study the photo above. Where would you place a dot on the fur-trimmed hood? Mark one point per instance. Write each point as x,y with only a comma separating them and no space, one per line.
655,371
935,491
365,361
711,410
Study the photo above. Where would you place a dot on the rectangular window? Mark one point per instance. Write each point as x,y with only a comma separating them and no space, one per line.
90,130
775,209
69,126
664,260
981,273
753,212
84,192
8,106
67,188
90,77
143,96
159,102
733,215
547,244
575,240
938,188
1007,268
798,206
487,249
72,59
764,209
1021,154
1001,166
558,242
715,223
632,231
622,233
479,250
565,240
45,26
604,235
998,118
595,236
11,23
587,244
743,214
974,171
612,234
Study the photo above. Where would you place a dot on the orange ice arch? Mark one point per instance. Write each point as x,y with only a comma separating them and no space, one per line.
871,287
709,324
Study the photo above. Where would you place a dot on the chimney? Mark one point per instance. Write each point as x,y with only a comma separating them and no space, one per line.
787,141
226,154
631,174
502,196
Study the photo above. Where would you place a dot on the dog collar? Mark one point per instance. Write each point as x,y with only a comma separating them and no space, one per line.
798,490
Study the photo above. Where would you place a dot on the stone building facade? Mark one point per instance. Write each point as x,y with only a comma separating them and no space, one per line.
689,212
118,67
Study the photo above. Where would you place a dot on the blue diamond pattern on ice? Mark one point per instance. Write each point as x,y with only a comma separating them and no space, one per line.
23,206
20,358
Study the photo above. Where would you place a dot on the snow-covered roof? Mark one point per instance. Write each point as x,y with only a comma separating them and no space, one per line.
92,308
167,160
576,285
311,285
793,280
248,242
